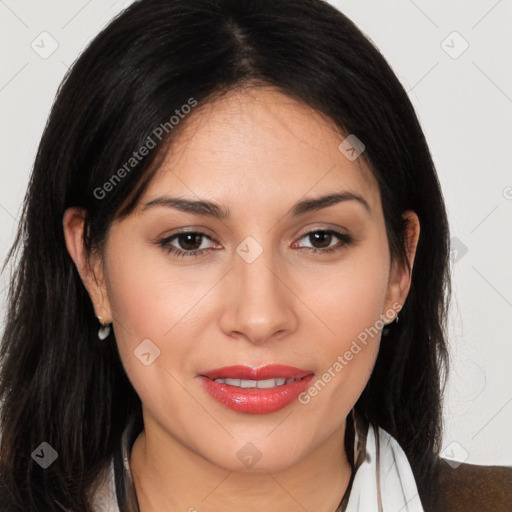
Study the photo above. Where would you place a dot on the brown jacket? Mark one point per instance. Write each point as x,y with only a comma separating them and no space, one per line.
472,488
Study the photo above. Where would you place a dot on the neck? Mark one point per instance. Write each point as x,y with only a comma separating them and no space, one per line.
170,477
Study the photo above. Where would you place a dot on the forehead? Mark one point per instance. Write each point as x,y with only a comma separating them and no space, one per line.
260,145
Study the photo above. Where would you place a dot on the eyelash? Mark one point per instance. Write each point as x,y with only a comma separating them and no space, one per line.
165,243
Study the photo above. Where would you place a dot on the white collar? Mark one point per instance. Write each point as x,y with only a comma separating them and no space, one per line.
384,480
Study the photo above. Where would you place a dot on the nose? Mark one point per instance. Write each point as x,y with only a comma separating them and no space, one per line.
261,303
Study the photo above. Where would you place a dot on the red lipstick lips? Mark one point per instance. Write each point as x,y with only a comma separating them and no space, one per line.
256,390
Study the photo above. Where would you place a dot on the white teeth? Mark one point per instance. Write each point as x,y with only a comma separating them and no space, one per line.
265,384
248,383
260,384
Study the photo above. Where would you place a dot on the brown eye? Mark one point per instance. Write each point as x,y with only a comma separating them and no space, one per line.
189,241
321,240
185,244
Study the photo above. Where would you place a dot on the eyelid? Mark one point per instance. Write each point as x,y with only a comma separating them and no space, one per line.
330,227
344,238
327,227
166,239
166,242
200,230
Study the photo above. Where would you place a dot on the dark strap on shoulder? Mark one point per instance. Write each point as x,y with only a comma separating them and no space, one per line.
356,432
125,489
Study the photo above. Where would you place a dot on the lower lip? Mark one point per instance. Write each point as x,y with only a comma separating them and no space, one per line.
255,400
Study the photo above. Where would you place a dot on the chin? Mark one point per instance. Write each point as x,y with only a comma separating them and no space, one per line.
255,457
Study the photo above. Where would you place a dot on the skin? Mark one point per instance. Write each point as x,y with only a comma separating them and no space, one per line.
257,153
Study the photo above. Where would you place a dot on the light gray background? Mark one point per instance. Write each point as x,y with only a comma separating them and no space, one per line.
464,102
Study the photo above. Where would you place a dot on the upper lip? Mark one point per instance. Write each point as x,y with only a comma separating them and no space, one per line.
271,371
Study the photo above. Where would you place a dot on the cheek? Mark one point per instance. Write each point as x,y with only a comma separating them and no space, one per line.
156,300
350,297
350,306
149,322
150,295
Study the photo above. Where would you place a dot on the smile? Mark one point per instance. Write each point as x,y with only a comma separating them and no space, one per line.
255,390
260,384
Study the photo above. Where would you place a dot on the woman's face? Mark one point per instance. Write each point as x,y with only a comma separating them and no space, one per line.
253,293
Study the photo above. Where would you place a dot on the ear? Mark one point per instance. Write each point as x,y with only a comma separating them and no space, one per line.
400,277
90,267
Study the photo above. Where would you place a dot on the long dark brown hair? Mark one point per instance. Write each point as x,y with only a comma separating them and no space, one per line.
58,383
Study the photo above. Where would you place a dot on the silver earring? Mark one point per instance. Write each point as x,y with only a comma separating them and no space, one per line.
104,331
396,319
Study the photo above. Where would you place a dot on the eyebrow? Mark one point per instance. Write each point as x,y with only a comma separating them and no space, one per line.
210,209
